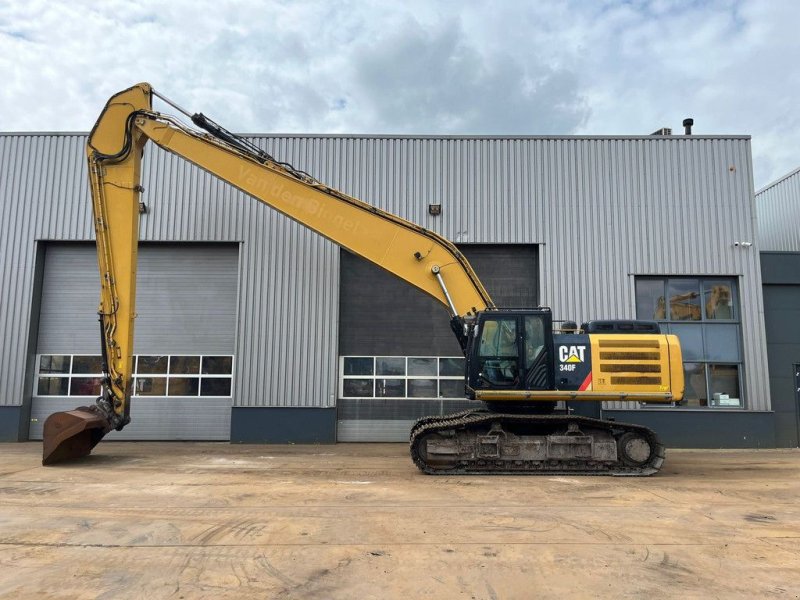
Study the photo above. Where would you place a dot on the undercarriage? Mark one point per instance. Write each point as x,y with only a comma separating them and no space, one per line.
481,442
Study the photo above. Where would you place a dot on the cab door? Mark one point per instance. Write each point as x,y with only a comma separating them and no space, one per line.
495,356
511,351
537,351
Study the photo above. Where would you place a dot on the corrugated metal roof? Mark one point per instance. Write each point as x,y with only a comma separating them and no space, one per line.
778,210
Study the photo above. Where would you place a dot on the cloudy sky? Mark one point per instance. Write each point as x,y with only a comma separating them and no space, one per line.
494,67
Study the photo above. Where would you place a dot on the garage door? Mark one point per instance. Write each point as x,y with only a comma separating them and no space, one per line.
185,330
398,358
782,321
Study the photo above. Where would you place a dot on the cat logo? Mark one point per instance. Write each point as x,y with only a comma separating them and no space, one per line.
571,354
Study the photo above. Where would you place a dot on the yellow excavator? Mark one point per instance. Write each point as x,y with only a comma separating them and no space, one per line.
517,366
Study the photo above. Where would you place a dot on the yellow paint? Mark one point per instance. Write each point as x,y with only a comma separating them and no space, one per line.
115,202
404,249
654,357
556,395
624,364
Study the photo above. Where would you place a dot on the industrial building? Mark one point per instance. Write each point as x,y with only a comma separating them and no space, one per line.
778,210
252,329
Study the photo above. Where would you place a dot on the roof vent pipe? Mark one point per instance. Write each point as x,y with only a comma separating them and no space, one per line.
687,126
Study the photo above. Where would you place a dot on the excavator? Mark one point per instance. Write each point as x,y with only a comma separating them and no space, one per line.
519,366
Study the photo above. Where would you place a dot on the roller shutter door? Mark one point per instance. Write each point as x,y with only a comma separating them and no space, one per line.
186,324
382,316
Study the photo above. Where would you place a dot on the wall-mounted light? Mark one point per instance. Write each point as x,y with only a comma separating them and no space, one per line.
434,209
142,208
742,244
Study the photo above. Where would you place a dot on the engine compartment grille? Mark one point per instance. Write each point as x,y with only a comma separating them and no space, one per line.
633,363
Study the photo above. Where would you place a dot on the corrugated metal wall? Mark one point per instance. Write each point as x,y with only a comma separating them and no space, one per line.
288,296
603,210
778,210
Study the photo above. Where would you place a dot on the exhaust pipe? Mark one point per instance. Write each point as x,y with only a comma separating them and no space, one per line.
687,126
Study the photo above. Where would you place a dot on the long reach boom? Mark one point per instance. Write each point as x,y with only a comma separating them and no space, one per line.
114,152
515,362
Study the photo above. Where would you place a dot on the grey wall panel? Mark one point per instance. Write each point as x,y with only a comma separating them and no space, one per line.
705,428
370,409
11,422
603,209
778,209
29,168
185,418
780,268
283,425
374,430
185,299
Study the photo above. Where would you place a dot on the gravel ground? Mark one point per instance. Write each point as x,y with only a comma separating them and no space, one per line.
204,520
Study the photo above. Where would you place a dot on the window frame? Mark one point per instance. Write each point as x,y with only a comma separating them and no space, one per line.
135,376
168,376
702,324
374,377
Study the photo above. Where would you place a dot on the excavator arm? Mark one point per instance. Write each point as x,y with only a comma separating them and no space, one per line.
417,255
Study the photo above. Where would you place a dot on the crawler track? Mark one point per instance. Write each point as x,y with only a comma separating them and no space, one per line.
484,443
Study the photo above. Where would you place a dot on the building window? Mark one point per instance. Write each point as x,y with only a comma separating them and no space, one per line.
401,377
161,376
704,314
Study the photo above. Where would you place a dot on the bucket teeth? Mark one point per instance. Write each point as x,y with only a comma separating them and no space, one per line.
72,434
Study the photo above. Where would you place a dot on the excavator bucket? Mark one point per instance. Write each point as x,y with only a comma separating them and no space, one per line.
72,434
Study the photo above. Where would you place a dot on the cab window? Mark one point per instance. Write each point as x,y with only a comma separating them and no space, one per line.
499,338
534,339
499,352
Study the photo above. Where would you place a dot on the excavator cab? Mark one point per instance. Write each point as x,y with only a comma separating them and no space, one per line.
510,350
520,368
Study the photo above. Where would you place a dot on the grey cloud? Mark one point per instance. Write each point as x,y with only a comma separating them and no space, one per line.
433,80
340,66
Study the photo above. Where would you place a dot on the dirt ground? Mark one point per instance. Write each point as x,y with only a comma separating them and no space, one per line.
202,520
